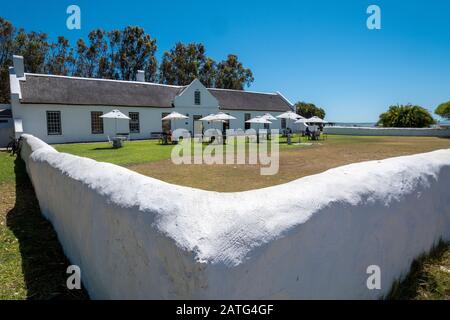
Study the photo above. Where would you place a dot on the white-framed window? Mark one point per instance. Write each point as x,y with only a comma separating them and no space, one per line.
134,122
96,122
54,123
197,97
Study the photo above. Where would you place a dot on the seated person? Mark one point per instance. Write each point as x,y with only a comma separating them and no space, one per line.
307,132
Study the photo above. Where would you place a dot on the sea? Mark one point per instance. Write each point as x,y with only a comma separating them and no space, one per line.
355,124
372,124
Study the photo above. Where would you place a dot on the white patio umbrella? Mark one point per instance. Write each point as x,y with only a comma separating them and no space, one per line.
222,116
115,114
315,120
289,115
175,116
207,118
259,120
268,116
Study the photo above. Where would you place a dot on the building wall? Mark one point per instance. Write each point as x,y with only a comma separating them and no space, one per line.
76,121
135,237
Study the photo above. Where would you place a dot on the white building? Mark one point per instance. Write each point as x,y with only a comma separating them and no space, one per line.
59,109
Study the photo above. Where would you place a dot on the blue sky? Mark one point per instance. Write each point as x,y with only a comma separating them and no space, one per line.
315,51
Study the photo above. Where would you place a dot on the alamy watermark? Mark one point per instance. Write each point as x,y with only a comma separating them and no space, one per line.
73,21
374,20
374,280
236,147
74,280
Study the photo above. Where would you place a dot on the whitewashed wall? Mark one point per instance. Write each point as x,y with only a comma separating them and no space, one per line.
138,237
372,131
76,121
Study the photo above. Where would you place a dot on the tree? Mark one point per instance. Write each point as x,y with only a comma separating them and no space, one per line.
92,58
406,116
309,110
231,74
61,60
7,34
131,50
184,63
208,73
34,48
443,110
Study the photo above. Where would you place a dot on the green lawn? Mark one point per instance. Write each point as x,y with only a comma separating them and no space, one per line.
32,262
133,152
143,151
6,167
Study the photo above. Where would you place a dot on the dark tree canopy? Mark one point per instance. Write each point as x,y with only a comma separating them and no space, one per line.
115,54
7,47
309,110
134,50
60,60
443,110
183,63
231,74
406,116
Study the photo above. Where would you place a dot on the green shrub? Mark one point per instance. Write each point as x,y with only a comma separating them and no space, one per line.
443,110
406,116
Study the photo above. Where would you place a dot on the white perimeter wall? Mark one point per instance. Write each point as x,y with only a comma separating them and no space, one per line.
371,131
76,121
138,237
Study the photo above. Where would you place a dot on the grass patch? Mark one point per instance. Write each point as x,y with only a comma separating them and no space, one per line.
133,152
429,278
32,262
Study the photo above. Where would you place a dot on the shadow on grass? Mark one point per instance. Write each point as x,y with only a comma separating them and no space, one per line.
408,288
104,148
44,264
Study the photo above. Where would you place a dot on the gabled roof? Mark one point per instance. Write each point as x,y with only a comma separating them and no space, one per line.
248,100
49,89
45,89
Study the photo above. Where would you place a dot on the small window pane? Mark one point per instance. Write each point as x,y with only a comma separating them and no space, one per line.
197,97
96,122
134,122
53,122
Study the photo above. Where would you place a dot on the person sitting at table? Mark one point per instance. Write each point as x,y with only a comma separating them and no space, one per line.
307,132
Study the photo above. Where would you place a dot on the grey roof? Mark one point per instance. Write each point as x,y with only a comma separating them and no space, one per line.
44,89
246,100
82,91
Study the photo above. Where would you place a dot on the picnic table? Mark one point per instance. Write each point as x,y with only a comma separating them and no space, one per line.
117,141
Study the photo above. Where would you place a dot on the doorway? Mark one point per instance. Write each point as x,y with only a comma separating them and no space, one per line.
197,126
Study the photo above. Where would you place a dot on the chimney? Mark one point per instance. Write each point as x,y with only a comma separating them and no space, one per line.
18,66
140,76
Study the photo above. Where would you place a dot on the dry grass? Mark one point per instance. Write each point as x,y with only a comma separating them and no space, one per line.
295,162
